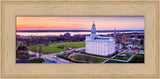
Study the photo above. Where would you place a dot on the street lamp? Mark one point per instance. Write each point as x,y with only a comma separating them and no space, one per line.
55,57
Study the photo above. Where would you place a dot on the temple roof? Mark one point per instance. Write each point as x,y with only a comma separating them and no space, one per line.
103,38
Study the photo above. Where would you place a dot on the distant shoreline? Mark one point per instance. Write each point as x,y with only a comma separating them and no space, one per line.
78,31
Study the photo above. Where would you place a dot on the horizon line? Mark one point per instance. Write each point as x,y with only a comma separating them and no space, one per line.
79,30
99,30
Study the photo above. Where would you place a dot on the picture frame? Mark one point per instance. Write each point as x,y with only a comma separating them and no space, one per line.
11,8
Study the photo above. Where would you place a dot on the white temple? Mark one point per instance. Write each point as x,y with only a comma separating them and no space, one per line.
99,45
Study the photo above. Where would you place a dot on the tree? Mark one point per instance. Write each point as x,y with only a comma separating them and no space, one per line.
40,52
27,42
142,42
87,58
124,38
116,52
141,59
34,49
19,48
17,51
65,54
46,43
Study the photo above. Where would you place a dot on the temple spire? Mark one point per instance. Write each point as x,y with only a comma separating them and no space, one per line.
93,31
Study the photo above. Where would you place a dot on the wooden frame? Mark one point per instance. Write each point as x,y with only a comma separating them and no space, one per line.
147,8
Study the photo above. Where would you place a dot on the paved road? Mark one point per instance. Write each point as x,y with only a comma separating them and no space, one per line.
109,58
118,59
124,60
50,57
131,58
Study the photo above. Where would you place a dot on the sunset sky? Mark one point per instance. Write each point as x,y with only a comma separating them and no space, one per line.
80,23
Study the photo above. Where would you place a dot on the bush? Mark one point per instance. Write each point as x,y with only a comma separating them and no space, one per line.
22,48
36,60
18,55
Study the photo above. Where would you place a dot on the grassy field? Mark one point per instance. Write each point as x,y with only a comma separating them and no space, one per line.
87,58
112,61
121,57
97,55
36,60
23,55
125,57
53,47
66,57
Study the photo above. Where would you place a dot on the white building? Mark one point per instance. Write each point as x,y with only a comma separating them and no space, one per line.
99,45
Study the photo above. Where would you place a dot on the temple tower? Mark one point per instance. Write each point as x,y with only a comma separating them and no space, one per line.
93,31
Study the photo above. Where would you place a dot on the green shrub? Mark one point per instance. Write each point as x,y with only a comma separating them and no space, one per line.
36,60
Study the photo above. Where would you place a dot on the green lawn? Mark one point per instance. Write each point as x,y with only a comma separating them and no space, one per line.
138,43
53,47
138,58
121,57
65,56
112,61
124,57
23,55
89,58
97,55
70,44
36,60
